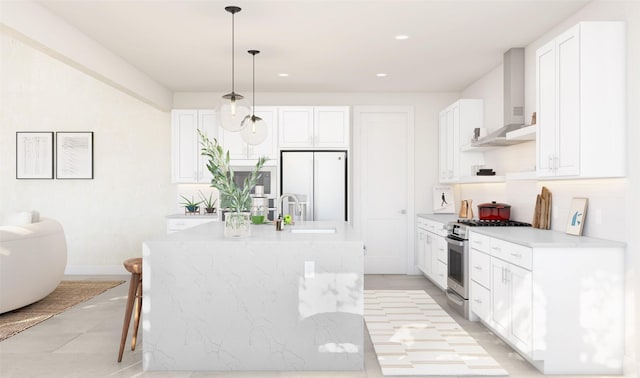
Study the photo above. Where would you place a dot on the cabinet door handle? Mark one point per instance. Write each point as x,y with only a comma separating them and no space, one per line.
503,279
477,301
516,255
497,249
477,267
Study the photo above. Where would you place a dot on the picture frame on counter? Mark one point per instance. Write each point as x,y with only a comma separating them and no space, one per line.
577,216
74,155
34,155
443,202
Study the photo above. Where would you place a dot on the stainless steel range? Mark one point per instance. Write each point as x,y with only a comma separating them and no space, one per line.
458,266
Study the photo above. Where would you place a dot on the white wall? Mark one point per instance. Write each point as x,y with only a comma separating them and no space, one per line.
107,218
613,203
30,21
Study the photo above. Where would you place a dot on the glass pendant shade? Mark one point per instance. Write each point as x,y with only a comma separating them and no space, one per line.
231,114
254,131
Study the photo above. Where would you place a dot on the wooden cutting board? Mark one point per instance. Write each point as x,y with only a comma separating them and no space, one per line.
542,211
546,194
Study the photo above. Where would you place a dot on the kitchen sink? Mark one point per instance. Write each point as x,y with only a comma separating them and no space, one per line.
313,230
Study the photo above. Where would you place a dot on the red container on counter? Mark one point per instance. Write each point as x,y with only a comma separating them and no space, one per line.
494,211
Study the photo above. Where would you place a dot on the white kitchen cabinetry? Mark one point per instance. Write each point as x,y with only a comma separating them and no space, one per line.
188,166
511,294
480,274
432,251
309,127
423,250
556,298
457,122
241,153
504,272
581,102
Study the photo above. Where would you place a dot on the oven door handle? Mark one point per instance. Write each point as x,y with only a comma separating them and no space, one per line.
454,297
455,242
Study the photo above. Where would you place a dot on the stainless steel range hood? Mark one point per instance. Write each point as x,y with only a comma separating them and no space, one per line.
513,101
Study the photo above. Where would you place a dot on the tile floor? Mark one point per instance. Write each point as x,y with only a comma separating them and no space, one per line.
83,341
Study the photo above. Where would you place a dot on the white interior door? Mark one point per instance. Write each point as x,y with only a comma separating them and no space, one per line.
383,193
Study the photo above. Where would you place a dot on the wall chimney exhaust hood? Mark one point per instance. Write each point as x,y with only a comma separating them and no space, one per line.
513,101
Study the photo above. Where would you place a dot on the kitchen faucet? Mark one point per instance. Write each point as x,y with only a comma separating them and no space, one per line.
289,195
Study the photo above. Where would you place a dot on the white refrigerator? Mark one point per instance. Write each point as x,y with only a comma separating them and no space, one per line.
319,180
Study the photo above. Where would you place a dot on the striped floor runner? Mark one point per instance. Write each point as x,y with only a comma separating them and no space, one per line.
413,335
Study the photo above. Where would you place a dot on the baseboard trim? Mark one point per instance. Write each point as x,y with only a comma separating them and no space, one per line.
95,269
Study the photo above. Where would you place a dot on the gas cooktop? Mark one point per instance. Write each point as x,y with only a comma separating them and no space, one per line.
492,223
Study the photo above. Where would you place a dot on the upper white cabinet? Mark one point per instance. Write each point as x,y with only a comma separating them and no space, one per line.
308,126
457,122
581,102
188,166
239,150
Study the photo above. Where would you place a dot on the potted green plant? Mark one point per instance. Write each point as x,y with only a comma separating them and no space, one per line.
238,200
209,205
191,207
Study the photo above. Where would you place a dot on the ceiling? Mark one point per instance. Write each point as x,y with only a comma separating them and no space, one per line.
324,46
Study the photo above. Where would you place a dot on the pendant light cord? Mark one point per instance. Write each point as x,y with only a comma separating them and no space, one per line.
233,55
253,89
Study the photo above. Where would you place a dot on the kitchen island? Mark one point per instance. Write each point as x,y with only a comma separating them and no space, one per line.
276,300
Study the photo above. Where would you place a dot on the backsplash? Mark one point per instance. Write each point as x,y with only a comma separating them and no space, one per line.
606,210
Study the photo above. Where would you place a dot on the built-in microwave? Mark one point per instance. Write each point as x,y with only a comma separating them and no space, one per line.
266,178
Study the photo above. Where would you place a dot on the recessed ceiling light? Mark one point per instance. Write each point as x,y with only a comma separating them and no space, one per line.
381,74
283,74
402,36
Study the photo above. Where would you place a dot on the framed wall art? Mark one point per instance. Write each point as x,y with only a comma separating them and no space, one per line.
577,216
443,200
74,155
34,155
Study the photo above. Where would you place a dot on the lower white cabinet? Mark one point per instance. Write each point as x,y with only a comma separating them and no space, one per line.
557,299
511,294
432,251
480,301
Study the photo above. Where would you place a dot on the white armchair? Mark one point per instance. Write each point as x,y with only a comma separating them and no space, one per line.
33,257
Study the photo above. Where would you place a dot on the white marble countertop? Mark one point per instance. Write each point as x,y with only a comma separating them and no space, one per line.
536,238
266,233
192,216
442,218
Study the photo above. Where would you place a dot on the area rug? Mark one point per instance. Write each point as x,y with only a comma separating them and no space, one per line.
413,335
66,295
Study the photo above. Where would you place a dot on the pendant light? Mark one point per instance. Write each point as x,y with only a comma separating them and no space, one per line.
231,112
254,129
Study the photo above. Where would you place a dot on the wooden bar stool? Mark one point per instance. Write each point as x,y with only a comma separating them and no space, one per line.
135,294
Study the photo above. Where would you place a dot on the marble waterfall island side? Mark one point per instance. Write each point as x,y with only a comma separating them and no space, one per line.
276,300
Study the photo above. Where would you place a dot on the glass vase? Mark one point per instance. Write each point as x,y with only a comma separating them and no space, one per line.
236,224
